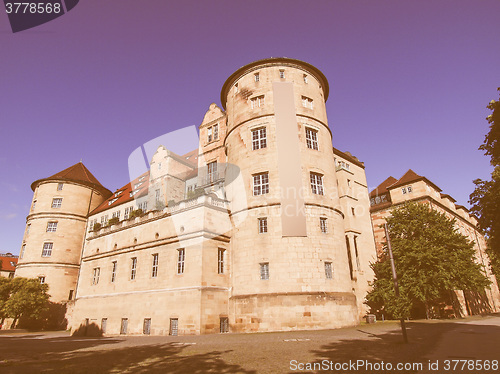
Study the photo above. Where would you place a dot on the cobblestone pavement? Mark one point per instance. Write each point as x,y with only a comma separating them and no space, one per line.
333,351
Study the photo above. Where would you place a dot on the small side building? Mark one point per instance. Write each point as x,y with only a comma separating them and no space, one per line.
393,193
8,263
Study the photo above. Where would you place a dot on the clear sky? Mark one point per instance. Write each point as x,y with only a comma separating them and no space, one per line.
409,83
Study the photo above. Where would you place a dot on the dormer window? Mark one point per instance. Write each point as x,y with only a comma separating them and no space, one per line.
118,193
137,185
133,193
112,201
141,178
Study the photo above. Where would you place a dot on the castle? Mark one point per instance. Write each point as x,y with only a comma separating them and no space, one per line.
265,227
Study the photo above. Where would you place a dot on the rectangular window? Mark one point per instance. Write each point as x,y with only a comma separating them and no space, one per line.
92,222
127,212
209,135
343,165
260,184
157,195
262,225
257,102
56,202
353,212
28,229
316,183
174,326
212,171
104,323
216,132
96,274
60,186
307,102
23,248
259,138
113,271
33,206
41,279
104,220
224,325
116,214
133,269
47,249
180,260
403,190
349,257
312,138
70,296
146,328
323,225
264,271
409,189
124,326
358,264
257,77
220,261
328,270
51,226
282,74
154,270
305,78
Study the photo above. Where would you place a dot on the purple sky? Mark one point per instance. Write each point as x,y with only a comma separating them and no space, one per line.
409,83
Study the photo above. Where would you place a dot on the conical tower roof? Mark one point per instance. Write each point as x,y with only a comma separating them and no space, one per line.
77,173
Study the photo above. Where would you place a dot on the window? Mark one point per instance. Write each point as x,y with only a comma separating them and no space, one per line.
349,257
180,260
28,229
259,138
11,275
312,138
282,74
262,225
47,249
33,206
70,296
133,270
353,212
224,325
328,270
348,183
123,328
257,77
23,248
316,183
56,202
212,171
174,326
216,132
409,189
113,271
127,212
141,178
118,193
343,165
264,271
403,190
51,226
307,102
236,88
95,277
41,279
91,224
112,201
220,261
116,214
60,186
257,102
104,220
209,132
137,185
323,225
143,206
104,323
260,184
146,328
306,80
154,271
356,253
159,165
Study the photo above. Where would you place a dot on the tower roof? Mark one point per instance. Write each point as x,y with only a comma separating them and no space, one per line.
77,173
273,61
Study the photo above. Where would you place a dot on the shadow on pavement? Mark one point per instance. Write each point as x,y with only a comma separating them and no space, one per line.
29,354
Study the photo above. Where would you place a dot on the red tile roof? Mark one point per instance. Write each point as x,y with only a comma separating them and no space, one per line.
123,195
382,187
6,263
410,177
76,173
192,157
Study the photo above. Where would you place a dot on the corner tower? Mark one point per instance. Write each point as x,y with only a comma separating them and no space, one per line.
55,228
290,266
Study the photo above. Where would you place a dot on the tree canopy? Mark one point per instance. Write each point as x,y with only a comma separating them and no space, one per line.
485,199
22,297
432,259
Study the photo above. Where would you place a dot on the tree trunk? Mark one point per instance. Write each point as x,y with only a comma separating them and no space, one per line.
427,311
13,325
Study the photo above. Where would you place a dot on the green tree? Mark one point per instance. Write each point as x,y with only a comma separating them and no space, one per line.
485,200
28,298
5,288
432,259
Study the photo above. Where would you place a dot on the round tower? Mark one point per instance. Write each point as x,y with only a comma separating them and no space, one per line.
290,267
55,229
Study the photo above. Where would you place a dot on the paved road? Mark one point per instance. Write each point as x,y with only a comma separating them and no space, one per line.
287,352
